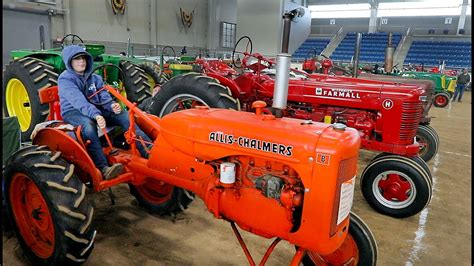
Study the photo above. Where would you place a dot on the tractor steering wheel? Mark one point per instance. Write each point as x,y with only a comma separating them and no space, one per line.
172,49
97,68
248,51
72,41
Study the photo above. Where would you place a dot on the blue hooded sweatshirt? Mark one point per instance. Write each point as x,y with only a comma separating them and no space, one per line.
74,91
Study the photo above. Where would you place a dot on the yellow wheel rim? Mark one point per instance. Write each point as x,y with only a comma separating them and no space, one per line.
18,103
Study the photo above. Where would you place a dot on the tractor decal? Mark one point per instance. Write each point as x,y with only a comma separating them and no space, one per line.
344,93
387,104
255,144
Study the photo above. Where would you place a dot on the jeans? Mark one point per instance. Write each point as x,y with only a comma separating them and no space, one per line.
89,132
459,91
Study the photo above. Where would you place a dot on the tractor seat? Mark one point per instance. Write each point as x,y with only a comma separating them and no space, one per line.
49,95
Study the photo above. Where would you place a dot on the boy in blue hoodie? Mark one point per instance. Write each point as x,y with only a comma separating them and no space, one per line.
81,105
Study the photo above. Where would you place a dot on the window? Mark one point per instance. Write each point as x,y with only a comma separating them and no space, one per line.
340,11
425,8
227,34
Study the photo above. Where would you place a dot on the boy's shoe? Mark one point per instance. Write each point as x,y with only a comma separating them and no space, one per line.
110,172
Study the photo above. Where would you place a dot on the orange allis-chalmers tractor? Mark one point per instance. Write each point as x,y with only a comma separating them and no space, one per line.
275,177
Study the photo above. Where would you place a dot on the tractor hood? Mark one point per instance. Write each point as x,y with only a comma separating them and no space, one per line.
347,92
210,134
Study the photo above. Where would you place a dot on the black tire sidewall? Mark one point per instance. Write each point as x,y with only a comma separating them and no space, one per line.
17,70
135,93
422,186
169,207
431,145
441,95
364,240
63,245
193,84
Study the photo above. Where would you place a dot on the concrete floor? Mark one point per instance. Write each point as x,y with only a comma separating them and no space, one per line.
439,235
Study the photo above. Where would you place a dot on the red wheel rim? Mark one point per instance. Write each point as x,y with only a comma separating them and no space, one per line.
395,187
32,215
156,192
346,254
440,100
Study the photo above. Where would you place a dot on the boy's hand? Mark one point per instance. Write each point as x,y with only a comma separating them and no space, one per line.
116,108
100,121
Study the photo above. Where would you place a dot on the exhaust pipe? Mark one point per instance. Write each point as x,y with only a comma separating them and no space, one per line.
389,54
357,54
280,92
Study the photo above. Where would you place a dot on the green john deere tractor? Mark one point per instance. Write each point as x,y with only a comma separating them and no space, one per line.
444,85
31,70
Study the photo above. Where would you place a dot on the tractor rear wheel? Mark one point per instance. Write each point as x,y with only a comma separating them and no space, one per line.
429,142
397,186
136,82
188,91
48,207
359,248
154,72
441,99
161,198
22,80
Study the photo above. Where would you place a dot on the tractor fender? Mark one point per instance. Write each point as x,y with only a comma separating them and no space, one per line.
232,85
64,141
53,58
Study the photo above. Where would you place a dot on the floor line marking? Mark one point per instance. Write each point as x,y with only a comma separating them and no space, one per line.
420,232
459,154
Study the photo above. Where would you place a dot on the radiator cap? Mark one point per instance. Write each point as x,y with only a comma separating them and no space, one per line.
339,126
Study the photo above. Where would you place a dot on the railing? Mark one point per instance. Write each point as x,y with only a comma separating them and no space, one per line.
439,32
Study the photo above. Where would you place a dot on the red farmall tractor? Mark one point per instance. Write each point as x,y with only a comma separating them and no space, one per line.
276,177
397,182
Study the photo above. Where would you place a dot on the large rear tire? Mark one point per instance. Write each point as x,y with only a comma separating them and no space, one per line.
47,203
190,90
136,82
396,186
21,82
359,248
161,198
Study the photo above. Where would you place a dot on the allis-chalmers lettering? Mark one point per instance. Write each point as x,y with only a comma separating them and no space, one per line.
255,144
341,93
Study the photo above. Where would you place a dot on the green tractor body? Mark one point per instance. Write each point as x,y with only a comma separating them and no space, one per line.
444,85
31,70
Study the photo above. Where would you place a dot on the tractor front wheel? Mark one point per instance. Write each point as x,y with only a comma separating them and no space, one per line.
359,248
22,80
429,142
441,99
48,207
396,186
161,198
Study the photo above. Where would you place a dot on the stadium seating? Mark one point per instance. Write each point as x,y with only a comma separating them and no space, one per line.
372,48
307,48
432,53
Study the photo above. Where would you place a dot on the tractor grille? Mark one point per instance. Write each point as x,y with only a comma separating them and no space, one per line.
411,115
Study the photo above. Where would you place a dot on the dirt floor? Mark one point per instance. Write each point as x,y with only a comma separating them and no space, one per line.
439,235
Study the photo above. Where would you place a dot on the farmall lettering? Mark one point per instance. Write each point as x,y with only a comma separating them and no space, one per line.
338,93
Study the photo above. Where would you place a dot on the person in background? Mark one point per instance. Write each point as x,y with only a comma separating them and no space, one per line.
463,79
84,104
